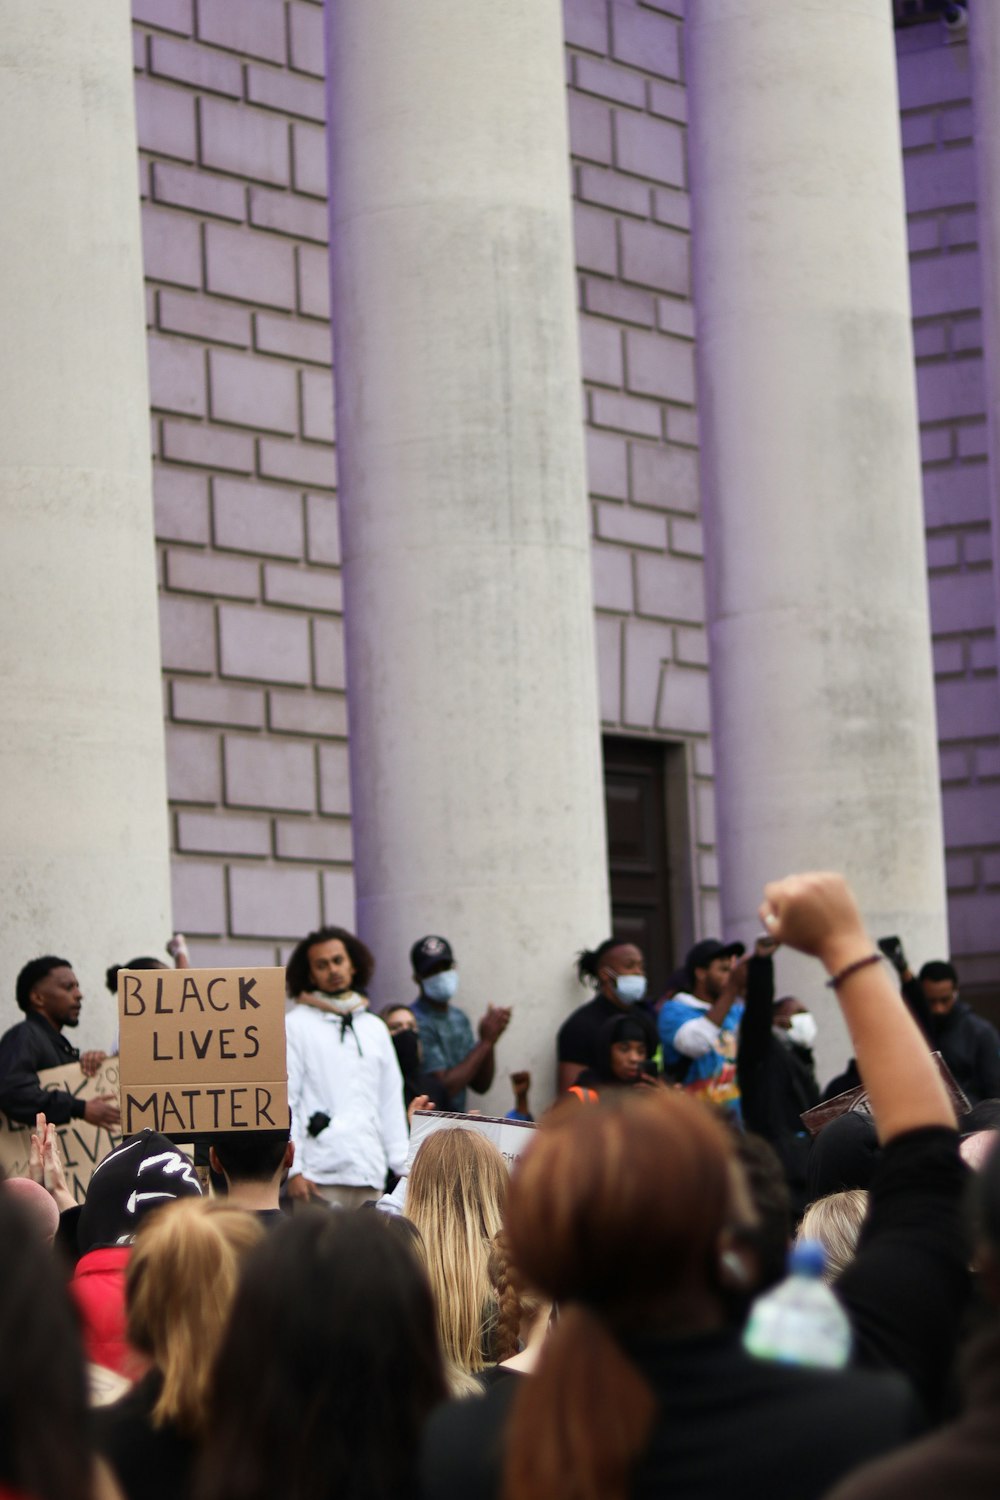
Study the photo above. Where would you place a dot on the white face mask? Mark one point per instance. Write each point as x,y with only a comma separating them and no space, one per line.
802,1029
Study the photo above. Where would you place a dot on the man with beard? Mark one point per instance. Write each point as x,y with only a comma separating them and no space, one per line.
49,994
700,1025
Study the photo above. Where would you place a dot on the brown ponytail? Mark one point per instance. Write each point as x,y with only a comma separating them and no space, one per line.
616,1212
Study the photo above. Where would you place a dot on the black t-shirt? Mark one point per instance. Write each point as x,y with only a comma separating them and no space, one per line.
150,1463
579,1036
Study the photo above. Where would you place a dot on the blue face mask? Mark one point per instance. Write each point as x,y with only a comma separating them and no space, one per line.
630,988
440,987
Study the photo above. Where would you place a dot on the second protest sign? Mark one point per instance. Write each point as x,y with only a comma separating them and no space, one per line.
202,1050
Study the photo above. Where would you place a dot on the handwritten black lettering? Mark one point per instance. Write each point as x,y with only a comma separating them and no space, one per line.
132,990
159,1007
159,1056
234,1106
136,1109
246,985
263,1101
225,1047
251,1036
211,986
191,992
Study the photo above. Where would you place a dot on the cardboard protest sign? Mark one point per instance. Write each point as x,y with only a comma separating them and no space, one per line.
202,1050
83,1145
856,1102
510,1137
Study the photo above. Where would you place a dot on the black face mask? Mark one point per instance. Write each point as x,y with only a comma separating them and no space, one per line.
407,1045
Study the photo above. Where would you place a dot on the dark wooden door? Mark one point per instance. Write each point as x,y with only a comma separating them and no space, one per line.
635,789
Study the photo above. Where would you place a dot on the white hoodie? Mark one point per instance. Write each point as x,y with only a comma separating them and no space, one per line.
349,1072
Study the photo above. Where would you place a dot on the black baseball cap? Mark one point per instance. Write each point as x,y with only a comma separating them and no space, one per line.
707,951
431,953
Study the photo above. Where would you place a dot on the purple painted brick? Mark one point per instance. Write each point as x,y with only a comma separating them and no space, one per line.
649,148
646,41
930,341
939,179
607,465
249,391
949,657
185,187
317,406
967,709
977,549
991,869
595,241
202,67
309,172
954,763
180,505
207,573
286,93
176,377
249,267
957,123
607,189
609,666
322,531
257,518
669,588
320,715
171,246
593,75
265,645
253,27
273,902
972,925
295,340
193,768
988,762
303,588
612,578
935,445
168,15
647,647
949,390
961,229
222,833
957,495
631,525
328,654
279,774
627,413
668,100
933,75
305,37
338,898
287,213
983,653
165,119
682,425
675,316
922,236
334,779
309,465
246,142
672,206
589,128
207,447
318,842
659,366
626,304
973,440
685,708
313,283
198,896
601,351
585,23
946,284
942,552
655,257
971,816
187,634
216,703
203,318
967,334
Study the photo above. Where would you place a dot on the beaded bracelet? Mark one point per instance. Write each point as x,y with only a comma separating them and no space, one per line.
859,963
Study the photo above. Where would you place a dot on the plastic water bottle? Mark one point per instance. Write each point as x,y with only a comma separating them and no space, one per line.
800,1322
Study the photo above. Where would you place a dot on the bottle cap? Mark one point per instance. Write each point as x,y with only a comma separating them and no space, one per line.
807,1258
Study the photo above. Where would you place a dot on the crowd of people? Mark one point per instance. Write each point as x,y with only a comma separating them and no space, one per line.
323,1312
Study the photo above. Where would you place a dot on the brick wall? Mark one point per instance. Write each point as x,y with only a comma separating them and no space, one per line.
233,180
231,115
627,119
939,165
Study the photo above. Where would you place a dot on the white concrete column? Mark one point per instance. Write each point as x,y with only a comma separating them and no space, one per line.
822,692
476,776
984,46
83,825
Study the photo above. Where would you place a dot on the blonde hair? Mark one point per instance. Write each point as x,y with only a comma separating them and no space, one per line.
835,1221
180,1285
455,1196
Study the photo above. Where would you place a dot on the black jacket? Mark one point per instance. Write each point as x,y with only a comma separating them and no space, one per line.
26,1050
